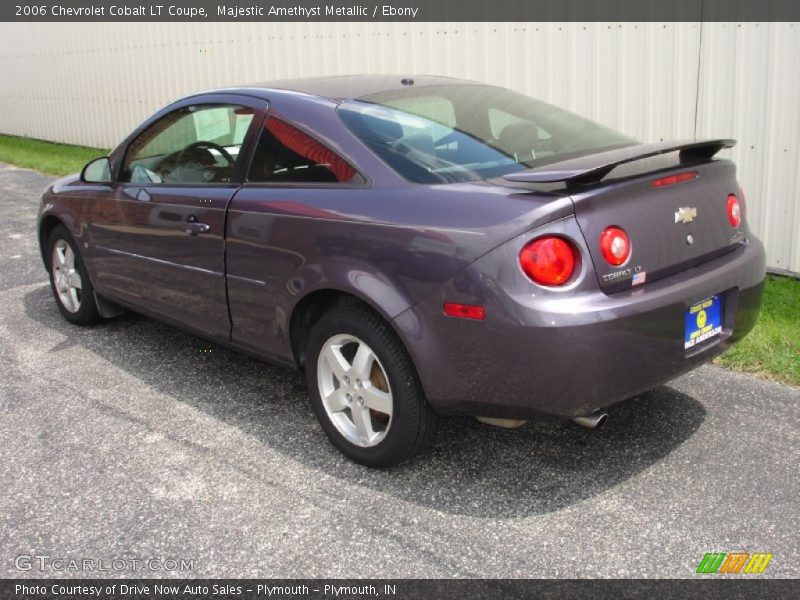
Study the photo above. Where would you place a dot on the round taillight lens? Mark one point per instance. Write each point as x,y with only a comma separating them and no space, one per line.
615,245
549,260
734,211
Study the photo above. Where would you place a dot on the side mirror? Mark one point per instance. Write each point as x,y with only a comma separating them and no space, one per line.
97,171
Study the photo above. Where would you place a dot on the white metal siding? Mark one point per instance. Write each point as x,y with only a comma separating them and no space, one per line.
91,83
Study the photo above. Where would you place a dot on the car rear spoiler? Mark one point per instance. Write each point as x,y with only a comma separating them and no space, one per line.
592,168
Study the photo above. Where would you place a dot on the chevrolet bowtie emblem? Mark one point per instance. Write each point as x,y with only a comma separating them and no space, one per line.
685,214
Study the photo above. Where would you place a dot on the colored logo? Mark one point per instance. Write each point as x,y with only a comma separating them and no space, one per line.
734,562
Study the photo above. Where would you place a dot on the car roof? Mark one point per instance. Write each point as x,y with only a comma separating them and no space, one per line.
347,87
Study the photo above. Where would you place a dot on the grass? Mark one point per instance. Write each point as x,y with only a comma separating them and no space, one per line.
47,157
772,350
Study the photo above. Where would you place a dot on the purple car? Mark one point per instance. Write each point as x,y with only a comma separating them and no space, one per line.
417,246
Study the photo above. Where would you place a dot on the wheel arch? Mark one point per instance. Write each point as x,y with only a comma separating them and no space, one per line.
46,226
314,305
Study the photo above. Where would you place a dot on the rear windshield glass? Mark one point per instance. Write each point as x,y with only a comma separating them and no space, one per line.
455,133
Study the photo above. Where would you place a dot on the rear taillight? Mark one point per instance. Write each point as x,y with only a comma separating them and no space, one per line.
734,211
615,245
549,260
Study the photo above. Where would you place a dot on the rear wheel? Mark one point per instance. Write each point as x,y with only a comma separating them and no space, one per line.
69,281
364,388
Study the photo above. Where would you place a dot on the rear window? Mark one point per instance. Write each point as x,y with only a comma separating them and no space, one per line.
455,133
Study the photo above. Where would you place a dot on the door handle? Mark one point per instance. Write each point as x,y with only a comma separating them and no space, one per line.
193,227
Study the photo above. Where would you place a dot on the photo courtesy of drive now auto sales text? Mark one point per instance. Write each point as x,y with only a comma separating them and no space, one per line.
172,590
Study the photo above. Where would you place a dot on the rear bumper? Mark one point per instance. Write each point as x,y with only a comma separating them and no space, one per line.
540,355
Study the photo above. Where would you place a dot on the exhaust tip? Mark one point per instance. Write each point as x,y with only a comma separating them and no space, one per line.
593,420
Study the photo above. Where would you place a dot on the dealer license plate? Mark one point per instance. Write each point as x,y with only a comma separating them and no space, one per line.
703,321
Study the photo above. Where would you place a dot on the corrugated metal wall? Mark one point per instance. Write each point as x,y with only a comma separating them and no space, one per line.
91,83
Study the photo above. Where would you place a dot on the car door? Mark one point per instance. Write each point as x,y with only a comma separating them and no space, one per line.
158,233
277,223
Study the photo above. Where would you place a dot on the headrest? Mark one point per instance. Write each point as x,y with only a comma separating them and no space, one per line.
519,138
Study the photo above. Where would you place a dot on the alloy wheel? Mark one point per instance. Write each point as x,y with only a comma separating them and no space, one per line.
355,390
66,277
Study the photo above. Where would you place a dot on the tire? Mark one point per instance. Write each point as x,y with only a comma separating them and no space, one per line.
69,280
357,363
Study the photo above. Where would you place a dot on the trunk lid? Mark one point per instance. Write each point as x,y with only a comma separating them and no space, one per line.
671,228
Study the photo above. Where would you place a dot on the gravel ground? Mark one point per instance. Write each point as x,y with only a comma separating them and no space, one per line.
133,440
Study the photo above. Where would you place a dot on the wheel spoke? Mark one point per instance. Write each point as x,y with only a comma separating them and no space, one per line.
68,300
362,362
73,298
335,401
363,422
336,361
377,400
74,279
69,257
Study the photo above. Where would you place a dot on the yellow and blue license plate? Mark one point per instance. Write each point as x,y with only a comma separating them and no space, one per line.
703,321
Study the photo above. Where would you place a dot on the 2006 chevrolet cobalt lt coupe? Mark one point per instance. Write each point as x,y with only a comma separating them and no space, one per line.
416,246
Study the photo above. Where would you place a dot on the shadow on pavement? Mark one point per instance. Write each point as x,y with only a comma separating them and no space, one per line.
472,469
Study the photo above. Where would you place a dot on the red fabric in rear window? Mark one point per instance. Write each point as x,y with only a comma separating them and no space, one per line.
309,148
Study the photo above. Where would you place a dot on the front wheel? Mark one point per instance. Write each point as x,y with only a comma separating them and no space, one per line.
364,388
68,279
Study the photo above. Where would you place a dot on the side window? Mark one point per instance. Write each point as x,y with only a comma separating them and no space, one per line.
287,155
195,144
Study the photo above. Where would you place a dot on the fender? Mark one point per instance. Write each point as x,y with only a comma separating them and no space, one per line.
358,278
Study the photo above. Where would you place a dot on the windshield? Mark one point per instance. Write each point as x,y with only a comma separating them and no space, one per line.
455,133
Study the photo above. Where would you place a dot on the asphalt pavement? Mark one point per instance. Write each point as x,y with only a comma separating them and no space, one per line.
134,440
